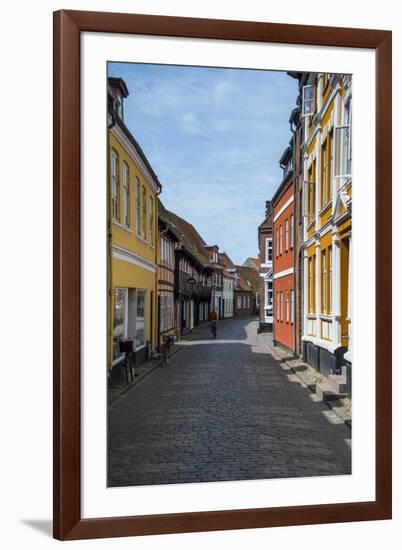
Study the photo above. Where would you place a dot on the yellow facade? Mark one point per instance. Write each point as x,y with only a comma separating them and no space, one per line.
133,246
327,220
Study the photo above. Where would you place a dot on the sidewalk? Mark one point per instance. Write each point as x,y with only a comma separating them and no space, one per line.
309,377
141,372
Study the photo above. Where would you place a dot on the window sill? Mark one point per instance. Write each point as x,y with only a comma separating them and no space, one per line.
325,208
141,239
121,226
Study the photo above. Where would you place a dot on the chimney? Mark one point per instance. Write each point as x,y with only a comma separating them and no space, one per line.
268,208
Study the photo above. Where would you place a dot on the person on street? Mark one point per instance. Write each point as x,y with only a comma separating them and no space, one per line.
213,316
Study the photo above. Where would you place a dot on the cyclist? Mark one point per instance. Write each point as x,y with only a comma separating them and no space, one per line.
213,316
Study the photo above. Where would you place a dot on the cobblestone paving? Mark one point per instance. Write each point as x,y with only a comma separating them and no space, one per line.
221,410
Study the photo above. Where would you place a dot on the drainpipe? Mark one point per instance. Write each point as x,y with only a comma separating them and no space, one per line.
110,125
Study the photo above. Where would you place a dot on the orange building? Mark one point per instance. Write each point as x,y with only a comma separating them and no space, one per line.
283,260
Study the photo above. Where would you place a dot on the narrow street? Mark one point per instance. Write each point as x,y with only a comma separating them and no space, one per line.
223,409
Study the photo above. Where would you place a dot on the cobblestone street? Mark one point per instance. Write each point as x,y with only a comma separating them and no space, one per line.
223,409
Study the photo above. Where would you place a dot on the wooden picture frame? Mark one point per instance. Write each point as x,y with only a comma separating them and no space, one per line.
68,25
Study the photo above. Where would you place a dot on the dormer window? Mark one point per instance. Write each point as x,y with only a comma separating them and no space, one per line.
119,107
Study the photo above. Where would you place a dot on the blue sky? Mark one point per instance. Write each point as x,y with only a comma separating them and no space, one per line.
214,137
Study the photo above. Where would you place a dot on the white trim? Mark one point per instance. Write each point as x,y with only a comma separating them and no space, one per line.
281,210
284,273
131,150
127,256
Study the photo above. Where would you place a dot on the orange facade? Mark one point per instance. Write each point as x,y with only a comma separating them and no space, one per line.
283,266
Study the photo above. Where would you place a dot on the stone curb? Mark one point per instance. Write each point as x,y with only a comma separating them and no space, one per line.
339,411
140,378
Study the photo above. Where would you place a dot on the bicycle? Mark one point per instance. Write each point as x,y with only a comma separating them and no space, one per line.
213,328
126,347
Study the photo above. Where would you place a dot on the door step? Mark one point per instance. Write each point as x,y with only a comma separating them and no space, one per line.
326,392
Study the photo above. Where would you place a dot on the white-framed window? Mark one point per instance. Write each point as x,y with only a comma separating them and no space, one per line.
119,319
268,250
292,306
292,230
330,279
308,100
280,240
140,319
324,173
286,234
126,195
281,305
287,306
239,302
323,281
277,242
343,145
277,307
268,294
144,213
137,206
151,221
115,187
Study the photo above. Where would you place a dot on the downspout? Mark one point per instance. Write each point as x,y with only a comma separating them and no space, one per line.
109,277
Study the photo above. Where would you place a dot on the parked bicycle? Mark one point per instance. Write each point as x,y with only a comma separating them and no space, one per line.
126,347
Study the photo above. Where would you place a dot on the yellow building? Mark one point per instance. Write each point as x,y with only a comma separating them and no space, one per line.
133,188
327,231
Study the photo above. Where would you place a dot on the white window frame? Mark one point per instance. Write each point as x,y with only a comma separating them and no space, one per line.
115,186
307,101
138,206
144,213
287,234
151,221
292,306
280,240
292,230
268,250
287,306
126,194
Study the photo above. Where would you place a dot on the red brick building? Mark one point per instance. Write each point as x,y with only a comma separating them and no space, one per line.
284,257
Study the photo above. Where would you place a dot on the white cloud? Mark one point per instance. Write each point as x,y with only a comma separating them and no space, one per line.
190,123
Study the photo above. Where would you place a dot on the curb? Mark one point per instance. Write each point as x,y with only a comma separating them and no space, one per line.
141,378
340,413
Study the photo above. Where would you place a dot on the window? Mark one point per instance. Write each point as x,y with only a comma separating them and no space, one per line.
268,250
292,306
309,194
144,213
268,295
281,305
324,173
324,281
126,194
287,235
330,279
140,320
277,242
138,206
292,230
280,240
119,319
311,284
239,302
308,100
287,306
115,187
343,146
151,220
330,140
277,306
